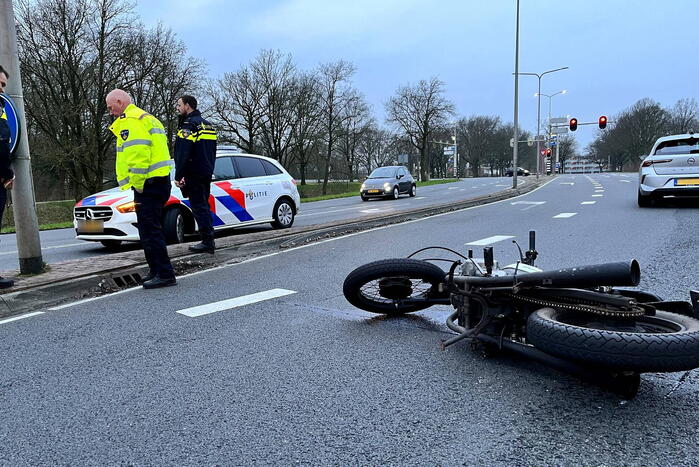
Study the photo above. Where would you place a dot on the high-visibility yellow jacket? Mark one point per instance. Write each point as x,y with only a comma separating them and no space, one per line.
142,150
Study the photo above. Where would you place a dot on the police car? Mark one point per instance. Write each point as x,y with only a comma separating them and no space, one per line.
246,189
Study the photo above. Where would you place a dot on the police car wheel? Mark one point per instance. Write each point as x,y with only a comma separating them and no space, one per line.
283,215
173,226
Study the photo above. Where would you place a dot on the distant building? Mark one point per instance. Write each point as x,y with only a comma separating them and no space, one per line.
579,165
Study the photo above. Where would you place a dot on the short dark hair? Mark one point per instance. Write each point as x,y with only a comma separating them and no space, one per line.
4,71
190,101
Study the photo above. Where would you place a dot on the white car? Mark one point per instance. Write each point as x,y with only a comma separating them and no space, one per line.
246,189
671,169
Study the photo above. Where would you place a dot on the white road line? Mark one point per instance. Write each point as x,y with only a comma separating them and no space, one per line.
86,300
530,204
588,202
453,188
503,185
597,196
567,183
564,215
625,181
421,197
49,248
28,315
369,211
490,240
599,191
234,302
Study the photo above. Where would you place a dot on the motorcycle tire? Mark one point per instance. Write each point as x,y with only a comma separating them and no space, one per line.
665,342
379,287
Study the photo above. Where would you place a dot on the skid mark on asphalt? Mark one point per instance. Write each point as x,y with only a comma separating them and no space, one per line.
209,308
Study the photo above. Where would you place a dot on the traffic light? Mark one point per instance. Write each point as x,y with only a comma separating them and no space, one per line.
573,124
602,122
548,152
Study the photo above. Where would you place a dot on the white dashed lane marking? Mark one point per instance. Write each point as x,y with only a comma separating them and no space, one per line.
597,196
490,240
564,215
234,302
588,202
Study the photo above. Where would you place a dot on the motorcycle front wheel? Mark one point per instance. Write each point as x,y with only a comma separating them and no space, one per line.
383,286
665,342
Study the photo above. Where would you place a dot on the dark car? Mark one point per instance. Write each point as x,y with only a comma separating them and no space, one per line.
520,171
388,182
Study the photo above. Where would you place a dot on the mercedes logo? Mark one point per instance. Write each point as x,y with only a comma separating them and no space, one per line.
89,214
691,160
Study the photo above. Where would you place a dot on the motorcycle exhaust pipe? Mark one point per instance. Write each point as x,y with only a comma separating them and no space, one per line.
622,273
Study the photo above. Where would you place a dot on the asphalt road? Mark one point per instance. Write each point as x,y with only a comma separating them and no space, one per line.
61,245
306,378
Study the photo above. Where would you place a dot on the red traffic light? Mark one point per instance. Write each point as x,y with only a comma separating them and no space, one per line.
548,152
574,124
602,122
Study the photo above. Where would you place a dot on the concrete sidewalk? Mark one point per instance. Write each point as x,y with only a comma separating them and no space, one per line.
77,279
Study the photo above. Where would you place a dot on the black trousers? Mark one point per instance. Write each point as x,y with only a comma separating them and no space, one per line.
3,201
149,213
198,190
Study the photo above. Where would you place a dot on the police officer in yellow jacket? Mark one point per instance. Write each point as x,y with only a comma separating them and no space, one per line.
143,164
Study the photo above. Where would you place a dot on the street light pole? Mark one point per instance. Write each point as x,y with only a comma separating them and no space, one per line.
538,115
550,96
23,208
516,138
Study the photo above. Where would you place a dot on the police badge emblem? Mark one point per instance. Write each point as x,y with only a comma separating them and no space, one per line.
124,134
185,133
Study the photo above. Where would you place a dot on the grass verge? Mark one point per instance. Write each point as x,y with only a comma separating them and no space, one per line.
349,189
50,226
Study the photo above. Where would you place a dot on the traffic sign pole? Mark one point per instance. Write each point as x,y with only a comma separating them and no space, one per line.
23,205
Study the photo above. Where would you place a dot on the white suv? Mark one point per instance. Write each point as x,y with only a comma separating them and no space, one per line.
246,189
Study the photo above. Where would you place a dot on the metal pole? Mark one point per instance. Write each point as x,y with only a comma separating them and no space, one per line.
514,149
538,126
23,206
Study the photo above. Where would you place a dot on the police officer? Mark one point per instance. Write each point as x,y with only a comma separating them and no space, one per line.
195,156
7,176
143,164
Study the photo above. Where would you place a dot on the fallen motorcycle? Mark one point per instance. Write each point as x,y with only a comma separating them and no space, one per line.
580,319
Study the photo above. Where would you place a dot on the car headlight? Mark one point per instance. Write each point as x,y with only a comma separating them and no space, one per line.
363,187
387,186
127,207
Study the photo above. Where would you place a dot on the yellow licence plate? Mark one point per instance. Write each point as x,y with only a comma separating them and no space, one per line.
90,226
373,191
687,181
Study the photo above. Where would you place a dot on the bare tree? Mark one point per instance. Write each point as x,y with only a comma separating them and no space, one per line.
684,116
374,149
238,108
567,149
73,53
477,135
276,73
355,122
306,123
336,96
419,110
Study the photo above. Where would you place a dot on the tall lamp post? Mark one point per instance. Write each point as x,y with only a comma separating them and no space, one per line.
538,115
516,73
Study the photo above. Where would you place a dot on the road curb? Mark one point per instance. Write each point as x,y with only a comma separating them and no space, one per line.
78,279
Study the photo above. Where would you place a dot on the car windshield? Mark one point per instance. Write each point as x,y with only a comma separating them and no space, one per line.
678,146
383,172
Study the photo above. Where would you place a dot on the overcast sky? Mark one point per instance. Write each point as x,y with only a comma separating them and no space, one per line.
618,51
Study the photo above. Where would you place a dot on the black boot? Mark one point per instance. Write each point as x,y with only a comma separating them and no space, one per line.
6,283
148,277
158,282
203,248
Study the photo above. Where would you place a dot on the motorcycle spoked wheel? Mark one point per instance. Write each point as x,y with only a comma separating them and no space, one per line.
379,287
665,342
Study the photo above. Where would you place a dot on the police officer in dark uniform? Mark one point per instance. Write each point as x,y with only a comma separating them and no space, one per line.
195,156
6,173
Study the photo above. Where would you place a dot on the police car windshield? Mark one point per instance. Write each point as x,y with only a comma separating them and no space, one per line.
383,172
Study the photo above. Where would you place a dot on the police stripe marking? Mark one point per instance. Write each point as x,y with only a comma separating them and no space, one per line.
209,308
490,240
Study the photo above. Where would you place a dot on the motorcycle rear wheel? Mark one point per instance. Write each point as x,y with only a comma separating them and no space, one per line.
665,342
379,287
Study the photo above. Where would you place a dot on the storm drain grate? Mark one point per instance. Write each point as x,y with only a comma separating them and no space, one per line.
127,280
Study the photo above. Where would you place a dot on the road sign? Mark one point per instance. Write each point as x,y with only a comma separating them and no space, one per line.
12,120
512,142
449,150
558,120
530,141
559,130
402,158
